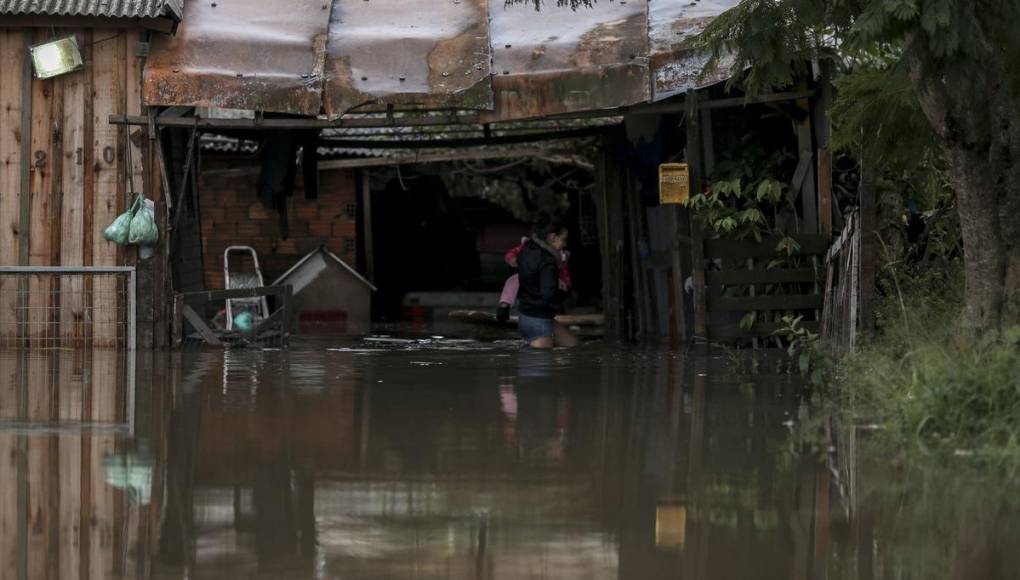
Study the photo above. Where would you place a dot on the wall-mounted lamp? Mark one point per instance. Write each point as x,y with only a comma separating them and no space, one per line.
56,57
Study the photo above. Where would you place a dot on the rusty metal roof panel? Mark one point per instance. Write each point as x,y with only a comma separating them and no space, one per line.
100,8
266,55
558,60
676,68
428,53
511,61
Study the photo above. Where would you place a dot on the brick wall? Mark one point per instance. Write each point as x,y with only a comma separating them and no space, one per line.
232,215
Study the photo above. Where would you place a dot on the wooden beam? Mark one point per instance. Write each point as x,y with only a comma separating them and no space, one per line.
770,302
203,329
269,124
359,162
732,330
473,142
745,277
810,245
754,100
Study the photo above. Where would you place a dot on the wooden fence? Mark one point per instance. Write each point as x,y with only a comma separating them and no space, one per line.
841,315
741,277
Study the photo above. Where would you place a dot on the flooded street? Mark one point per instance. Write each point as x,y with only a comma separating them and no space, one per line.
450,460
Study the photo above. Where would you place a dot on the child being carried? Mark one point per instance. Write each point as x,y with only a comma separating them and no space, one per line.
512,284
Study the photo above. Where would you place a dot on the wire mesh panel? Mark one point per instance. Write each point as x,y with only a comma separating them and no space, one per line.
67,307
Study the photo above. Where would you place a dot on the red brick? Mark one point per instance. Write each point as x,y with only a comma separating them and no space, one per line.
320,229
257,211
247,231
213,213
286,247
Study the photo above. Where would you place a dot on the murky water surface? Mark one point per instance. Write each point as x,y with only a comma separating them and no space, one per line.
393,459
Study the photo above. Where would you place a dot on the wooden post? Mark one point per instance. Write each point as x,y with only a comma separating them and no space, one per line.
641,294
694,161
825,192
823,134
680,245
809,200
367,230
610,210
12,46
108,150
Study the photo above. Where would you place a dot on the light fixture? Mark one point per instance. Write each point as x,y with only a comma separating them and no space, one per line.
56,57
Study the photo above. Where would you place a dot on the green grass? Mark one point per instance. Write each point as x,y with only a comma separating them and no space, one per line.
931,385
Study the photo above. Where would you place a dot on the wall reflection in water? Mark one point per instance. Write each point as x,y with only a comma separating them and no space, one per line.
430,465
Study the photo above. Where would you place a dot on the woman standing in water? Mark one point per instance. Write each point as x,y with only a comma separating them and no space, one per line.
541,293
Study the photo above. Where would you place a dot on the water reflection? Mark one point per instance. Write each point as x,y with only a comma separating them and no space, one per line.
448,464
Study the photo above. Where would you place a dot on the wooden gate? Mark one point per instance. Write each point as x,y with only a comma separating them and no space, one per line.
735,279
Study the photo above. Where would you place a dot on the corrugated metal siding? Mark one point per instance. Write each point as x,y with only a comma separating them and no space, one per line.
103,8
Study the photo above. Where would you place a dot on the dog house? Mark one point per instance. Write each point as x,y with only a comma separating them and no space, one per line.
329,296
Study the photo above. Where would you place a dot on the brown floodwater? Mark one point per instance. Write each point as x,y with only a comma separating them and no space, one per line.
441,459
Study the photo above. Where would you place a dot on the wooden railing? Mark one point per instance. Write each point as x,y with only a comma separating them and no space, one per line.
738,280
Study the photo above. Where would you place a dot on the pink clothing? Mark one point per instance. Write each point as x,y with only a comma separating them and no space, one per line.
511,260
509,295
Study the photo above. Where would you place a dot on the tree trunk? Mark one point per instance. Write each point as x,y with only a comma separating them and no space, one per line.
980,131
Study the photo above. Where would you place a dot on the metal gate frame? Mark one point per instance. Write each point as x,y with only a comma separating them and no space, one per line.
131,342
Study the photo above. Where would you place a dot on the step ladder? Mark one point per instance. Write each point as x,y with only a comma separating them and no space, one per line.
258,305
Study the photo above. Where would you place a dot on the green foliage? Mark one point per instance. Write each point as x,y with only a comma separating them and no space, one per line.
773,39
745,195
876,114
805,349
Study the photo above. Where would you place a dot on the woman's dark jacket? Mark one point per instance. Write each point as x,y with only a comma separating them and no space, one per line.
538,268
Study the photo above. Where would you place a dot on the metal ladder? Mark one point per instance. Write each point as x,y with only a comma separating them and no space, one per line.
258,305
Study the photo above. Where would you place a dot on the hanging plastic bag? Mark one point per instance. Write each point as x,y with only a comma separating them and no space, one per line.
143,226
120,230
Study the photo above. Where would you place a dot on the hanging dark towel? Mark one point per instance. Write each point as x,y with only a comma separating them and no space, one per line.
276,176
310,163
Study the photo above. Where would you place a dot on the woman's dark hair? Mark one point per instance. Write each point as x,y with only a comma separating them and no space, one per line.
549,224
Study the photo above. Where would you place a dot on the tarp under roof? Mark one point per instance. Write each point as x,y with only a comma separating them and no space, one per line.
336,56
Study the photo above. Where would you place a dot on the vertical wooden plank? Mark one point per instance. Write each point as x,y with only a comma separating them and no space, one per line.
75,156
694,161
136,148
808,194
679,248
12,47
641,295
41,520
108,58
69,451
825,192
44,163
9,514
615,232
106,381
822,121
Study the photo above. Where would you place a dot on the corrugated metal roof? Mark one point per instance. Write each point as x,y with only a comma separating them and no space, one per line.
330,57
101,8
